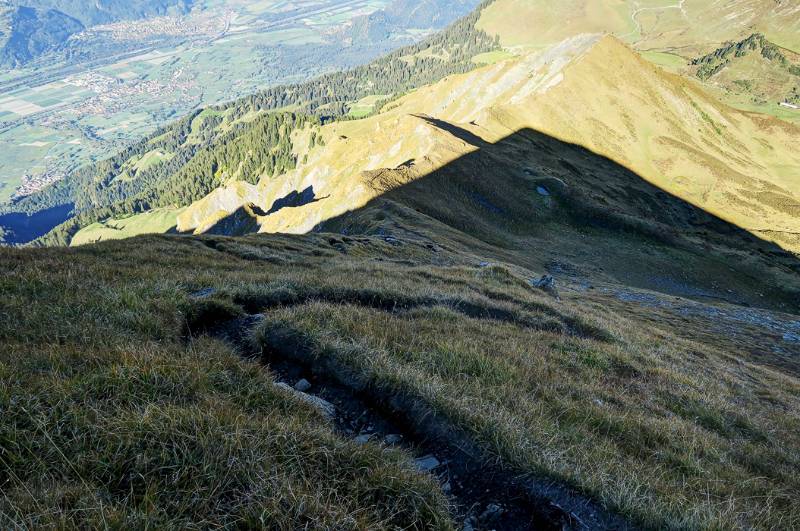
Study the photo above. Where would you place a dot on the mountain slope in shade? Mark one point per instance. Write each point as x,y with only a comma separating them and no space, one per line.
32,32
30,28
589,90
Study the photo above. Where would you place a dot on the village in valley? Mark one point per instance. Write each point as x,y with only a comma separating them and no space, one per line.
116,82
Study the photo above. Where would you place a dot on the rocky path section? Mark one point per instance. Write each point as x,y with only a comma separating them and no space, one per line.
485,495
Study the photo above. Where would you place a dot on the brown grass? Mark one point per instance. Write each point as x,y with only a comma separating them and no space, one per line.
111,418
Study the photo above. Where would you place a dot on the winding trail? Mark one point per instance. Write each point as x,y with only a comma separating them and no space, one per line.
635,15
485,494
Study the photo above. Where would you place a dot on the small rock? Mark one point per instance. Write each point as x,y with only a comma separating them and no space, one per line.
446,488
791,336
393,438
547,284
484,264
302,385
204,293
323,406
492,511
363,438
426,463
541,190
599,402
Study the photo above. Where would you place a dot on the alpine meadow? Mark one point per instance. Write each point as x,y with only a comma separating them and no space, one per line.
425,264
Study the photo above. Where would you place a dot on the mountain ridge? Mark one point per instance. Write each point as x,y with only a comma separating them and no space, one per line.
530,289
545,84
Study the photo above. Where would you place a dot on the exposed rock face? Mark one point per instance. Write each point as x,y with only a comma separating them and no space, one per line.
548,285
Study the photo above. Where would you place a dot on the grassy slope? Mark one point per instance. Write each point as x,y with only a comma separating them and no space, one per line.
742,171
156,221
110,419
667,36
650,24
754,83
555,21
676,414
131,425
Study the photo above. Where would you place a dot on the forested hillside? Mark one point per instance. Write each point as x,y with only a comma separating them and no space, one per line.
399,14
714,62
30,32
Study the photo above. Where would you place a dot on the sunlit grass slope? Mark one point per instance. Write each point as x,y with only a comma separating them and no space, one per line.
650,24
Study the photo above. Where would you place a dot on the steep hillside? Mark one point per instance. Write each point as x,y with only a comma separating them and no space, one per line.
589,91
32,32
105,11
194,148
401,372
755,72
669,33
557,291
678,25
691,118
401,15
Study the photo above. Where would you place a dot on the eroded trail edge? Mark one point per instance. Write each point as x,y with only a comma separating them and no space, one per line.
485,495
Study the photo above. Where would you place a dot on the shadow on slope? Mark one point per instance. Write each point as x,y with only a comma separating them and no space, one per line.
21,228
543,203
294,199
244,220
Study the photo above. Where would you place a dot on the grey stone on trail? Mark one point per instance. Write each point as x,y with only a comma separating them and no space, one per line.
547,284
302,385
427,463
492,511
363,439
393,438
323,406
203,293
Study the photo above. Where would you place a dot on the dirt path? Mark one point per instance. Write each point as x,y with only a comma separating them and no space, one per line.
484,495
635,16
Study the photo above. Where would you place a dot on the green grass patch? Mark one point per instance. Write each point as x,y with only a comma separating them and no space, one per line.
489,58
